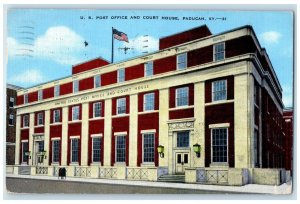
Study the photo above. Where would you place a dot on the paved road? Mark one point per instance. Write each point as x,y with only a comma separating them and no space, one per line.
22,185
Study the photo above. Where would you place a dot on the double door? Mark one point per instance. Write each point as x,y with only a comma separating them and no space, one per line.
182,161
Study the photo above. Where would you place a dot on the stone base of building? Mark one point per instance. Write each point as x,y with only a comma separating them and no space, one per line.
212,175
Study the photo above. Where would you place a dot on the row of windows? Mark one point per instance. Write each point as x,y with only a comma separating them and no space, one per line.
219,54
219,145
219,92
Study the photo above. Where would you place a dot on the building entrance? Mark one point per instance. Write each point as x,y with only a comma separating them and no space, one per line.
182,160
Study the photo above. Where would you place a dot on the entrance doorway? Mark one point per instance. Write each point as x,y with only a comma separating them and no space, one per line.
182,160
39,148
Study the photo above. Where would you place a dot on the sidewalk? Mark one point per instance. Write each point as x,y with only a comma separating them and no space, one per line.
283,189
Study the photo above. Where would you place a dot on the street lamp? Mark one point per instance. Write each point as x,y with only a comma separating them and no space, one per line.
160,150
197,149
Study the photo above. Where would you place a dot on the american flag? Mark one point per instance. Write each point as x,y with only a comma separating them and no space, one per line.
120,35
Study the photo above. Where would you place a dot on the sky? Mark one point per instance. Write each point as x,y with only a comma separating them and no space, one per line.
43,44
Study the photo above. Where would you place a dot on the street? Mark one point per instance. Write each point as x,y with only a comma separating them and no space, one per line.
24,185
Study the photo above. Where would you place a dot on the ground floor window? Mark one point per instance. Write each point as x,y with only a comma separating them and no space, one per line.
96,149
183,139
120,148
148,147
24,152
219,141
74,150
55,151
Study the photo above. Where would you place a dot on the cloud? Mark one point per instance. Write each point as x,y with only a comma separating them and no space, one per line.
60,44
271,37
29,76
143,44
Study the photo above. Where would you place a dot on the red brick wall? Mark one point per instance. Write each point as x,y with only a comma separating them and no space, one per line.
186,36
120,124
32,97
89,65
164,65
237,46
20,100
87,83
134,72
182,113
230,88
223,113
96,127
200,56
172,97
109,78
141,100
147,122
66,88
48,92
114,105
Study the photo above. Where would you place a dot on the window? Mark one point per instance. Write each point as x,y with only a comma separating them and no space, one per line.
120,148
149,69
26,121
40,119
74,150
25,98
148,147
75,113
182,96
149,102
183,139
11,119
219,145
181,61
97,109
75,86
24,150
97,81
121,106
11,102
56,116
56,91
55,150
219,91
40,95
219,51
121,75
96,149
40,146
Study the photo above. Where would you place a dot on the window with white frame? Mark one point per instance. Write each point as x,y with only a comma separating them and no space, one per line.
40,95
97,107
96,149
26,121
121,106
75,113
40,119
219,90
24,151
56,116
11,102
149,102
181,61
148,147
121,148
183,139
56,90
55,151
25,98
219,51
121,75
219,144
182,96
149,68
97,81
74,150
11,119
75,86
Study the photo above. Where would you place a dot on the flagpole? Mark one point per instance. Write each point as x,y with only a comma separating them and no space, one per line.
112,44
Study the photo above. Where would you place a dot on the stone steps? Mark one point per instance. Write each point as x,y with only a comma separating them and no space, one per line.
172,178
